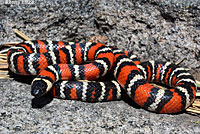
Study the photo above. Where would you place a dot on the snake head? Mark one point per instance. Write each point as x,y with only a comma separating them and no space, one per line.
40,86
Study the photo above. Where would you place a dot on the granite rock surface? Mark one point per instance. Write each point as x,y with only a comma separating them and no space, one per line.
167,30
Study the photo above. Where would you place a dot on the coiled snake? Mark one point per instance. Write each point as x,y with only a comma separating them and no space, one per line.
52,61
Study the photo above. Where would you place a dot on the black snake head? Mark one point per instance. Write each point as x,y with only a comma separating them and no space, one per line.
38,88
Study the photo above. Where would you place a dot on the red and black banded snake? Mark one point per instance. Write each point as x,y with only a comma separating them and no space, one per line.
52,61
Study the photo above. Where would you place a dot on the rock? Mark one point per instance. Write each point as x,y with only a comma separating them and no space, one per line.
154,29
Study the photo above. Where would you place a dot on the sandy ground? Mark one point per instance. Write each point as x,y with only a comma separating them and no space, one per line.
165,30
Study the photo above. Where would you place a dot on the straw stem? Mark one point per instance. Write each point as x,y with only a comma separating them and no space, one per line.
21,35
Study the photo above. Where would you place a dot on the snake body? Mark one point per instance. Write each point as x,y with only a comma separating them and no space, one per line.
52,61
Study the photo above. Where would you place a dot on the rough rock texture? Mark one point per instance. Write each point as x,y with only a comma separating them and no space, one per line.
166,30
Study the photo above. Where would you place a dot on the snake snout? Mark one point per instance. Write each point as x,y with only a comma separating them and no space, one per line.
38,88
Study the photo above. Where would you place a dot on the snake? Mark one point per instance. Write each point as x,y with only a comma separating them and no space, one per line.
59,66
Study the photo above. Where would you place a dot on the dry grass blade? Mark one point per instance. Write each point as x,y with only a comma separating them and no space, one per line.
3,55
5,77
4,73
3,61
196,104
21,35
3,66
193,110
158,86
179,62
4,51
11,43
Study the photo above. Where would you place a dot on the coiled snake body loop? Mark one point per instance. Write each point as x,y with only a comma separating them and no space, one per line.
52,61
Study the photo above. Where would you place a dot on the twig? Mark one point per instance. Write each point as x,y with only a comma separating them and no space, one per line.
3,72
3,61
193,110
3,58
21,35
196,104
158,86
179,62
4,51
11,43
5,77
3,55
3,66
